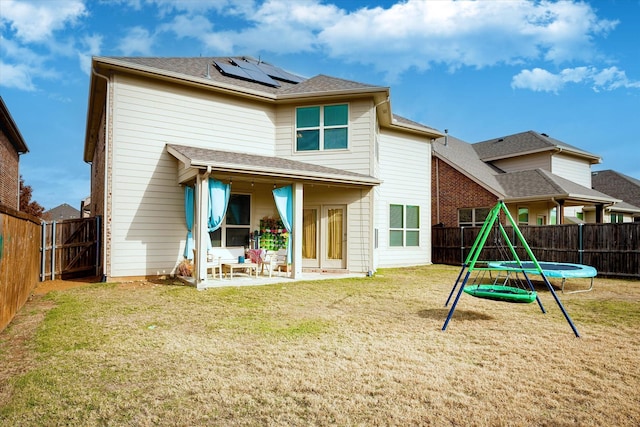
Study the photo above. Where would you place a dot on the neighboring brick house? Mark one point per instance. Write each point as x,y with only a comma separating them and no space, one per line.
12,145
536,176
622,187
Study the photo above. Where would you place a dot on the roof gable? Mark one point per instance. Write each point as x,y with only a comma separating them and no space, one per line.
523,143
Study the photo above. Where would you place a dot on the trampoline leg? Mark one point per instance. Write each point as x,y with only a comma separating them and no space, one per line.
455,302
579,290
464,266
566,315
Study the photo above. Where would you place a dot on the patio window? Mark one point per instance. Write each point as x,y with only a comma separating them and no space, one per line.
237,223
472,217
322,127
404,225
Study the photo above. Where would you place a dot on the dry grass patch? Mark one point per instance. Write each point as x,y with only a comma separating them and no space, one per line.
364,351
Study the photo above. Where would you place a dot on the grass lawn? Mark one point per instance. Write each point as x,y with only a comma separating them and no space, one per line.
366,351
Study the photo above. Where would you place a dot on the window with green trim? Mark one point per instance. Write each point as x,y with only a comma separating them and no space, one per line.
322,128
404,225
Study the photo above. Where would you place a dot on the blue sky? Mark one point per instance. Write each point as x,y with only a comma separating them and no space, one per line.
479,69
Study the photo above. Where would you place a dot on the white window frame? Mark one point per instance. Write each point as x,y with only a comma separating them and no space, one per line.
404,229
321,128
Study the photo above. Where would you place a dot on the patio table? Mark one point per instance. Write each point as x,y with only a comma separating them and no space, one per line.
241,265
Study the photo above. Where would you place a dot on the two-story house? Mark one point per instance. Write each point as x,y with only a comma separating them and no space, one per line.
12,145
541,180
166,135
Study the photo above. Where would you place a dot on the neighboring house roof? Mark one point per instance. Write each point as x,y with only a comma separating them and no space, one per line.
624,207
530,185
617,185
461,156
63,211
10,129
529,142
539,183
208,73
226,161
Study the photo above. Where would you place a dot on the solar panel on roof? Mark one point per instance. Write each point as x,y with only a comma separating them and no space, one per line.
245,71
279,73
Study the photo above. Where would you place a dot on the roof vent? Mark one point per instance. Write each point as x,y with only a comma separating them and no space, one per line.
544,134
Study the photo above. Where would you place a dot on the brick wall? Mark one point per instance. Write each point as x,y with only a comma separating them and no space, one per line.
9,173
455,191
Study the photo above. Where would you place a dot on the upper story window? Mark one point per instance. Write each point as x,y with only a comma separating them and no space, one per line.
322,127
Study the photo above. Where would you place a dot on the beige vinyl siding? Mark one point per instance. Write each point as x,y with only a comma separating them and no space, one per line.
190,117
361,139
405,169
148,228
523,163
572,168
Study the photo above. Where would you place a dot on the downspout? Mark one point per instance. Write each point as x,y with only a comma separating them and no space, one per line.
106,182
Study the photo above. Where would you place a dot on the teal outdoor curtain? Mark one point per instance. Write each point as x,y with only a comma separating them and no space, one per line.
283,197
188,212
219,193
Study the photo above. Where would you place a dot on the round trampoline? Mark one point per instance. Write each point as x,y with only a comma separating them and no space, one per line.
560,270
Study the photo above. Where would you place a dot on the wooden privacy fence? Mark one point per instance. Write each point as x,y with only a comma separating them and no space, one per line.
70,249
19,256
613,249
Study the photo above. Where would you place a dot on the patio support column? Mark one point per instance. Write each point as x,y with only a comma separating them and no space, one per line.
201,234
296,235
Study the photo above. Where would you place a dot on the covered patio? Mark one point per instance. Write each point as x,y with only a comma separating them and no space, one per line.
262,176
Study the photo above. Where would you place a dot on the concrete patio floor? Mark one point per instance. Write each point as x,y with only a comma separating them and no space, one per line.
246,280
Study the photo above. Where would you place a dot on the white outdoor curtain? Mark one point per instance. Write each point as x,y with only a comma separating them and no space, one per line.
283,197
188,211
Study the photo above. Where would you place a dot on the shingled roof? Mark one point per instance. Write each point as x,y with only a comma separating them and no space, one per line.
539,183
227,161
526,143
617,185
534,184
464,158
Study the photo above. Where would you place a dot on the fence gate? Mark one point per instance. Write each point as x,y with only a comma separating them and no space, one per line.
70,249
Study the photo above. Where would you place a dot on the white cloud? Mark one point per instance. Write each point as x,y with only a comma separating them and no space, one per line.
138,41
92,46
409,34
540,80
16,76
460,33
188,26
36,21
